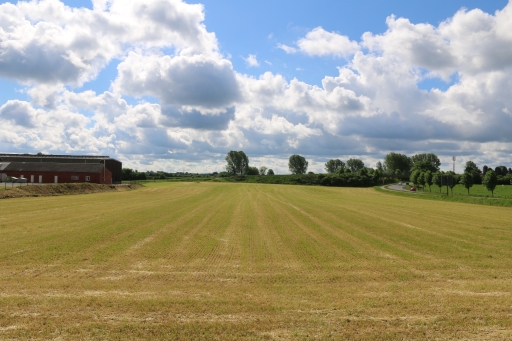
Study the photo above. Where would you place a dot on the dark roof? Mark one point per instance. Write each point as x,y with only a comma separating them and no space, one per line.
54,167
58,156
52,158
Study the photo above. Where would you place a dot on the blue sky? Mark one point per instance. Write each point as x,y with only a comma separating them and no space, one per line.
180,85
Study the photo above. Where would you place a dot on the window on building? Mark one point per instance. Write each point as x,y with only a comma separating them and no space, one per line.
87,178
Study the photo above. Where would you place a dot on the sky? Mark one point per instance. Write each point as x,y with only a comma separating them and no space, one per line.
173,85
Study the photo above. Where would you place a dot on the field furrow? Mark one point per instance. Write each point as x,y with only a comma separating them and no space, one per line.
220,261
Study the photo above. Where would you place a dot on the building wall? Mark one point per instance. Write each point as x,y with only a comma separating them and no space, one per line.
113,165
49,177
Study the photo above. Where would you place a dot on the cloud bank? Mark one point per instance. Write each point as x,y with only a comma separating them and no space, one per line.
193,107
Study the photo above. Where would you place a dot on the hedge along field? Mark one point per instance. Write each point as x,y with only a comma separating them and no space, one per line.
221,261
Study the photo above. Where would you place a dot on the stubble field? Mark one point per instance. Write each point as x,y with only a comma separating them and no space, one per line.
216,261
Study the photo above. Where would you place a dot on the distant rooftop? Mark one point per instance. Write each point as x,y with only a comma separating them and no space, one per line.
57,156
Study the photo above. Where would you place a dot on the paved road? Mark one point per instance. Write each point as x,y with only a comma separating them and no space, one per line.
397,187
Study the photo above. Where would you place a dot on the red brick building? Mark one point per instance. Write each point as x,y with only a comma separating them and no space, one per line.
47,172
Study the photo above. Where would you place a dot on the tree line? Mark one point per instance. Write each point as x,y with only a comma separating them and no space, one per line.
350,173
424,170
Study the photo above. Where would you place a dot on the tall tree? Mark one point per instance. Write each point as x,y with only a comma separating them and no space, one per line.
378,165
471,166
414,177
376,176
430,158
485,169
467,180
297,164
429,180
394,161
238,163
252,171
263,170
490,181
500,170
422,180
436,180
334,166
270,172
355,165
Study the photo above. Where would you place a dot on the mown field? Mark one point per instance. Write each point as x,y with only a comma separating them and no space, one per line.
220,261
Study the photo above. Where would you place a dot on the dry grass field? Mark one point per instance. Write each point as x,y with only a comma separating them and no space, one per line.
217,261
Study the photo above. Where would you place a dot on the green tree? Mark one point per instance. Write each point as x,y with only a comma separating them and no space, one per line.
263,170
297,164
471,166
395,161
378,166
355,165
490,181
414,177
270,172
467,180
429,179
422,180
500,170
377,175
252,171
238,163
424,166
436,180
485,169
429,158
334,166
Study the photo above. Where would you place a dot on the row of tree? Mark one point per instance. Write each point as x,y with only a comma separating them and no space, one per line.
422,179
424,169
238,164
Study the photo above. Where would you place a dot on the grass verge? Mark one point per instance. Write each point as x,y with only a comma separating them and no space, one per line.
456,197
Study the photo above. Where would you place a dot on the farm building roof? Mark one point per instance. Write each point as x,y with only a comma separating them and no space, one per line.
54,158
53,167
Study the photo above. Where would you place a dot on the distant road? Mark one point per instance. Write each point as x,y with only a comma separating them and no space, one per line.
397,187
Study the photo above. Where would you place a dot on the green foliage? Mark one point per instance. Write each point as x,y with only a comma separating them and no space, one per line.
377,176
128,174
422,180
426,162
270,172
252,171
297,164
490,181
263,170
429,179
334,166
500,170
395,161
467,180
355,165
238,163
477,177
379,166
436,180
424,166
471,166
414,177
